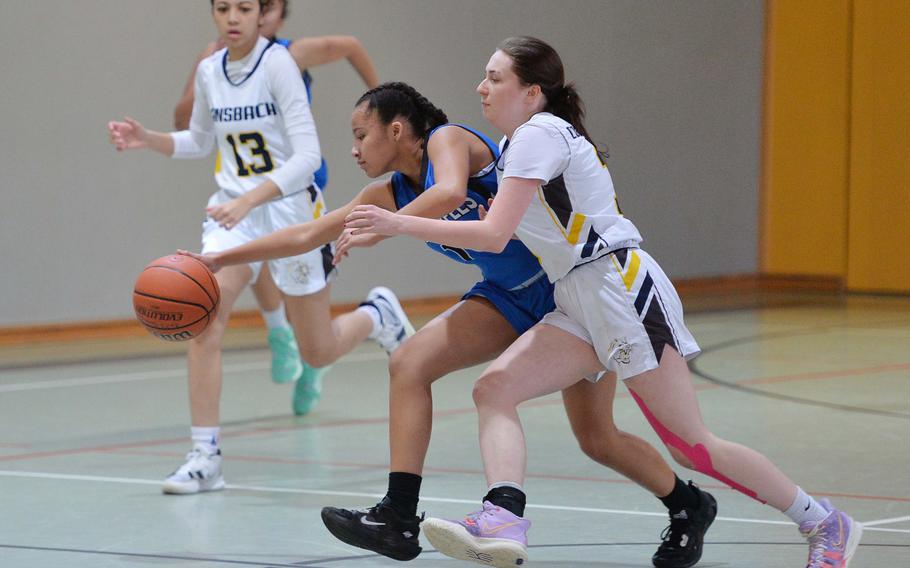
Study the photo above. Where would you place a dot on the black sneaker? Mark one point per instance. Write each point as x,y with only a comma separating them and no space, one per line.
684,539
378,528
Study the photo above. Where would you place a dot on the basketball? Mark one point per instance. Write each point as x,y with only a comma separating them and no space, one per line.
175,297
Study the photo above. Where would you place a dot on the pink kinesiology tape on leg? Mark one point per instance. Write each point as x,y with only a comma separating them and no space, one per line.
697,454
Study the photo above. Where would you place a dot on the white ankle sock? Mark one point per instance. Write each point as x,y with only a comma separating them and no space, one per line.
805,508
276,318
209,437
374,315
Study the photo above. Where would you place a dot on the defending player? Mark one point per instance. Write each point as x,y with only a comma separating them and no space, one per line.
617,312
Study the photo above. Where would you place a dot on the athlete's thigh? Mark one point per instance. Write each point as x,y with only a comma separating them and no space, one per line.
590,403
469,333
311,317
544,360
668,396
231,282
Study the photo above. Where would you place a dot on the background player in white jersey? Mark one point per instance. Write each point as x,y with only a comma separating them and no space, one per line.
616,312
307,52
251,99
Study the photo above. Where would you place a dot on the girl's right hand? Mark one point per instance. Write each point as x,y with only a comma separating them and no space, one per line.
127,135
205,259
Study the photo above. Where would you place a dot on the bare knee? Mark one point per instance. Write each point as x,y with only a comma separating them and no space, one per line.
490,390
407,369
316,356
695,454
601,446
211,338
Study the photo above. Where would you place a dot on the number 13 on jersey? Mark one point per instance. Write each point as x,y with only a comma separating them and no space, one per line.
262,160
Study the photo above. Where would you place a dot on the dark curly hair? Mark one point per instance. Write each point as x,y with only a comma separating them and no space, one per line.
390,100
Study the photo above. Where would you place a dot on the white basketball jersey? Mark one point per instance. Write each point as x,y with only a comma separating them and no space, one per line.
247,121
575,217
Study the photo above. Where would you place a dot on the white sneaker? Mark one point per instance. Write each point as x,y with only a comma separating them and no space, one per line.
201,472
394,324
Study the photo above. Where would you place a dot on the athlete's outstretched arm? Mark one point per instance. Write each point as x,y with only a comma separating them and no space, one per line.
492,234
300,238
449,150
184,108
311,52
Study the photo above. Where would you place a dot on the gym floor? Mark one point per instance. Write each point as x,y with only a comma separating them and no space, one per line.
90,428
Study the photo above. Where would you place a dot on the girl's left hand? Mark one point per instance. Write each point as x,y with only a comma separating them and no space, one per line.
230,213
365,219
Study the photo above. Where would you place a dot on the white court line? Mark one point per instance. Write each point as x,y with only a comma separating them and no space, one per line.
886,521
472,502
162,374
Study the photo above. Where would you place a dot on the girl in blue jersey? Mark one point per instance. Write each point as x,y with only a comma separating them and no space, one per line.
307,53
617,313
447,170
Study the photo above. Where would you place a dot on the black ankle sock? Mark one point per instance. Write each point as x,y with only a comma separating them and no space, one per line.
404,492
508,498
682,497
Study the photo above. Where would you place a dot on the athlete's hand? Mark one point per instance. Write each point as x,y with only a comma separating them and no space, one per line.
349,240
482,211
127,135
369,219
206,259
482,214
229,213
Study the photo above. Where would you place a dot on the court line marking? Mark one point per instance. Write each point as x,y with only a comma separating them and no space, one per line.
162,374
886,521
325,492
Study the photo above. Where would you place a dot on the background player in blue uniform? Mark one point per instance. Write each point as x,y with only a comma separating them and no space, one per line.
447,170
307,52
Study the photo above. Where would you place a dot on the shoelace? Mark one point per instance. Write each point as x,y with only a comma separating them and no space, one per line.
818,544
671,536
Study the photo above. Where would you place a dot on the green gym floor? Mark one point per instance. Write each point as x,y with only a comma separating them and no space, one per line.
88,430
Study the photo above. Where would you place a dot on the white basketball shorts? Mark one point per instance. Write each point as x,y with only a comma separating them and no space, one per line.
624,306
298,275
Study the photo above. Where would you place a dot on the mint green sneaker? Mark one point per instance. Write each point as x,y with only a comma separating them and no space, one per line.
286,363
308,389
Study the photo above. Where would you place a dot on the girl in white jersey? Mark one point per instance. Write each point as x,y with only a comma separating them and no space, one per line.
616,312
250,98
307,53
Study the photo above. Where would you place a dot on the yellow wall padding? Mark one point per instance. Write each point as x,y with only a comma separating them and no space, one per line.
879,226
806,138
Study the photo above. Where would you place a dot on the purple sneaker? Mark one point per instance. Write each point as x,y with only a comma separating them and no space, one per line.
492,536
832,541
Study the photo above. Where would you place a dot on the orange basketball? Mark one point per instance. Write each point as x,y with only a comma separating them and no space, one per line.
175,297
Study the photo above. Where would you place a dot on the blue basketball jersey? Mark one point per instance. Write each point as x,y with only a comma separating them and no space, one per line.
512,269
321,177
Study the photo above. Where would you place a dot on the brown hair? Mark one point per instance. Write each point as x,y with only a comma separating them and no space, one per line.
263,4
535,62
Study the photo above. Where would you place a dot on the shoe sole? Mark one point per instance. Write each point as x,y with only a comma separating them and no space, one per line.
340,532
174,488
393,299
856,533
455,541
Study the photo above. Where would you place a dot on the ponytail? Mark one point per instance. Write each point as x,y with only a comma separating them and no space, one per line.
535,62
391,100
